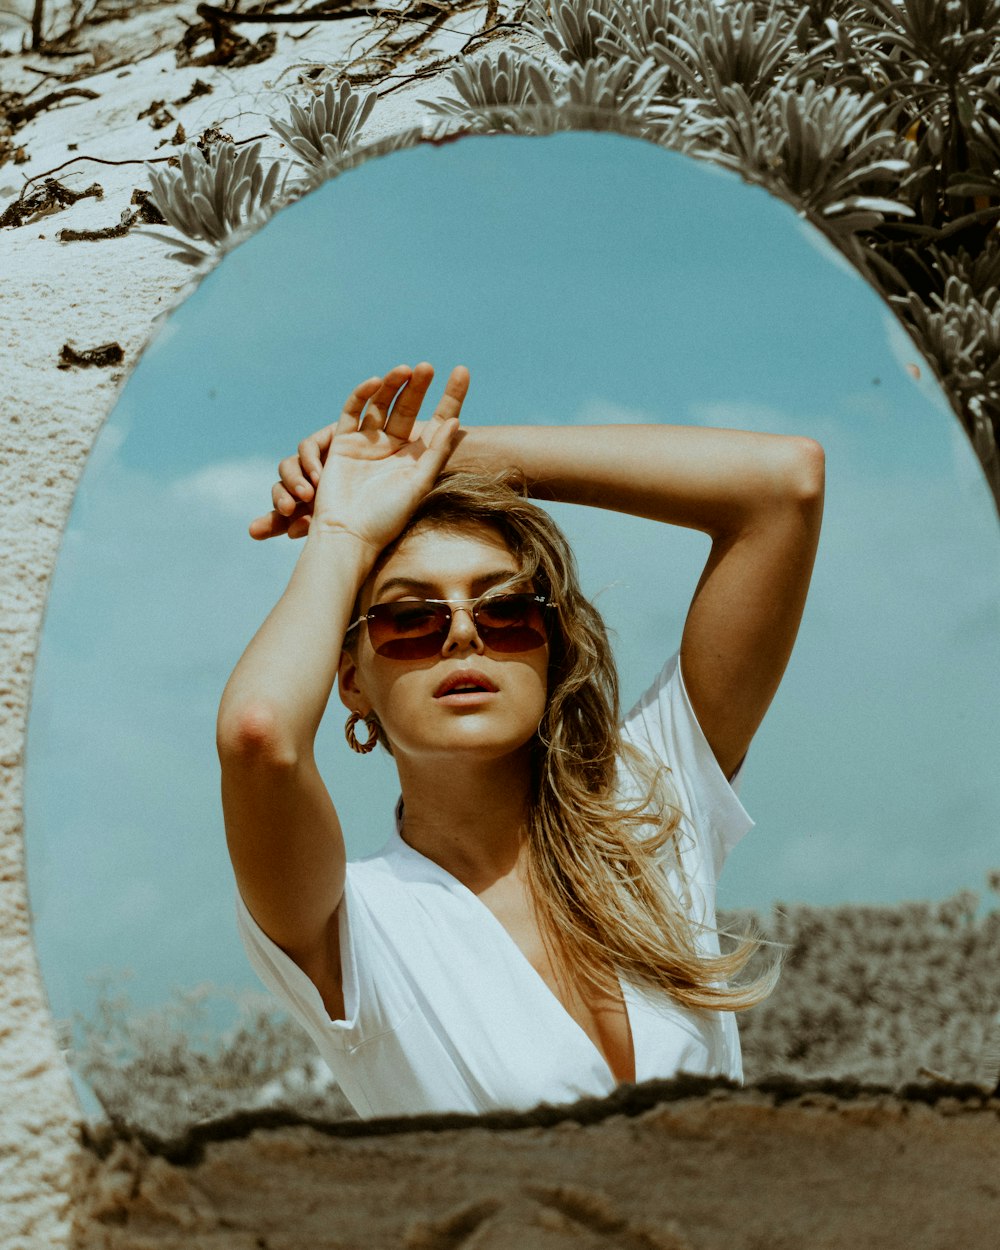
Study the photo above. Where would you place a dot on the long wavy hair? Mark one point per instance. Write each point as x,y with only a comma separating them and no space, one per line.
596,857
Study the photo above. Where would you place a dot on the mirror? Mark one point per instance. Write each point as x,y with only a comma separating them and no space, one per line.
583,278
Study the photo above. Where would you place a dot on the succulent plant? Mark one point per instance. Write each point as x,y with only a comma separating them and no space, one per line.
324,131
571,30
958,331
819,148
492,90
520,95
216,196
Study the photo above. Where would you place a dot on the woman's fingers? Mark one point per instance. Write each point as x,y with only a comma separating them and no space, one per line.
380,401
455,391
408,401
440,447
271,525
299,474
274,524
312,453
292,480
355,405
390,405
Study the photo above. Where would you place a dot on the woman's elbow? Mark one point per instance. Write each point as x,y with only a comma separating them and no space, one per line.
805,475
254,733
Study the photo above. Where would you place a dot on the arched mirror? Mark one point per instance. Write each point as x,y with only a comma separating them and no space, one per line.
582,278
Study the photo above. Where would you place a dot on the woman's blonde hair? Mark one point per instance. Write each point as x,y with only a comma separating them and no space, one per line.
596,859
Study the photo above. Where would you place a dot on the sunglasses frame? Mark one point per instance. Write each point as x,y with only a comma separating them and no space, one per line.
468,605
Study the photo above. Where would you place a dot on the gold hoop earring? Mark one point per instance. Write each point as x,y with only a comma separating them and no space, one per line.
362,748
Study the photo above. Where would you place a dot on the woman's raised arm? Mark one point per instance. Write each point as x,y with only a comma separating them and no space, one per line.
284,837
759,497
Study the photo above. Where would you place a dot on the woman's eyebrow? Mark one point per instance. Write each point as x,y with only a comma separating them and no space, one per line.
483,582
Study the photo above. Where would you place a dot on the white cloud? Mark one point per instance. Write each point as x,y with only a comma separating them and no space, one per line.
237,489
761,418
598,411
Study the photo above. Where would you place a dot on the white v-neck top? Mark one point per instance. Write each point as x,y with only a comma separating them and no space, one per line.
443,1010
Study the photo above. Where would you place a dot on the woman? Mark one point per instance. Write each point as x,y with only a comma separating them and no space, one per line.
541,925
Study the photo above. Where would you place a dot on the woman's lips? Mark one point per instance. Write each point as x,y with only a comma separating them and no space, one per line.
466,684
466,698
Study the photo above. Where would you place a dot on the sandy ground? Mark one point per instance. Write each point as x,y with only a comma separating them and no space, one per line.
730,1171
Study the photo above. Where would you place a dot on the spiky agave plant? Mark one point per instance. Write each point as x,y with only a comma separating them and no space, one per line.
981,180
639,31
217,197
605,95
324,131
818,148
497,93
709,47
958,331
516,94
940,66
571,30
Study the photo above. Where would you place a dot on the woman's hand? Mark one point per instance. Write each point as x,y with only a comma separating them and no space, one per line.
402,458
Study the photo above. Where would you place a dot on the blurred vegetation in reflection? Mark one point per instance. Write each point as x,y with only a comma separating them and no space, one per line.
881,995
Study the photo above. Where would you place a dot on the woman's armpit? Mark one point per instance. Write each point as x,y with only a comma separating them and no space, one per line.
323,967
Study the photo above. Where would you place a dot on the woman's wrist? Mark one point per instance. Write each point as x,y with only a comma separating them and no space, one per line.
334,564
484,447
334,535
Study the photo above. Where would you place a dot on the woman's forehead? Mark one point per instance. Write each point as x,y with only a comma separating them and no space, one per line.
435,556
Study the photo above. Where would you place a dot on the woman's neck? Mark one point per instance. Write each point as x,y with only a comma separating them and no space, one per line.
469,817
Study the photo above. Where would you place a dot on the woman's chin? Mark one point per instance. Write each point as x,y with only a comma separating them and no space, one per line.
467,741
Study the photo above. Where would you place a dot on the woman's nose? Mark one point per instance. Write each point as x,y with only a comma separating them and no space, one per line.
462,632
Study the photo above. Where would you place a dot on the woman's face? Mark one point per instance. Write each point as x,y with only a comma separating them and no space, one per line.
422,718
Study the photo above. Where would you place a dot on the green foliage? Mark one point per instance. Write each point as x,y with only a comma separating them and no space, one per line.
492,91
878,120
571,30
958,330
516,95
817,148
712,47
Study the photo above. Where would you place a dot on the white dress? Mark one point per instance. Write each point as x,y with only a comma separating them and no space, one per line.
443,1010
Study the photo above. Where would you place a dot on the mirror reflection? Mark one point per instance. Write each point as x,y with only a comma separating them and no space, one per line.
584,281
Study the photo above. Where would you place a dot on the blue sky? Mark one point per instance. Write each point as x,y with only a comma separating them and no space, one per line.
582,278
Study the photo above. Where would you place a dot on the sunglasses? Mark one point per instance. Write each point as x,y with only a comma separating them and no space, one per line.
416,629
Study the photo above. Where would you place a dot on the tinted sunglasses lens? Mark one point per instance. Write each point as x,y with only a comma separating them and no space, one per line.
408,630
512,622
415,629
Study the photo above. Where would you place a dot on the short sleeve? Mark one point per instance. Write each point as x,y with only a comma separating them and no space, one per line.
663,725
372,1005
